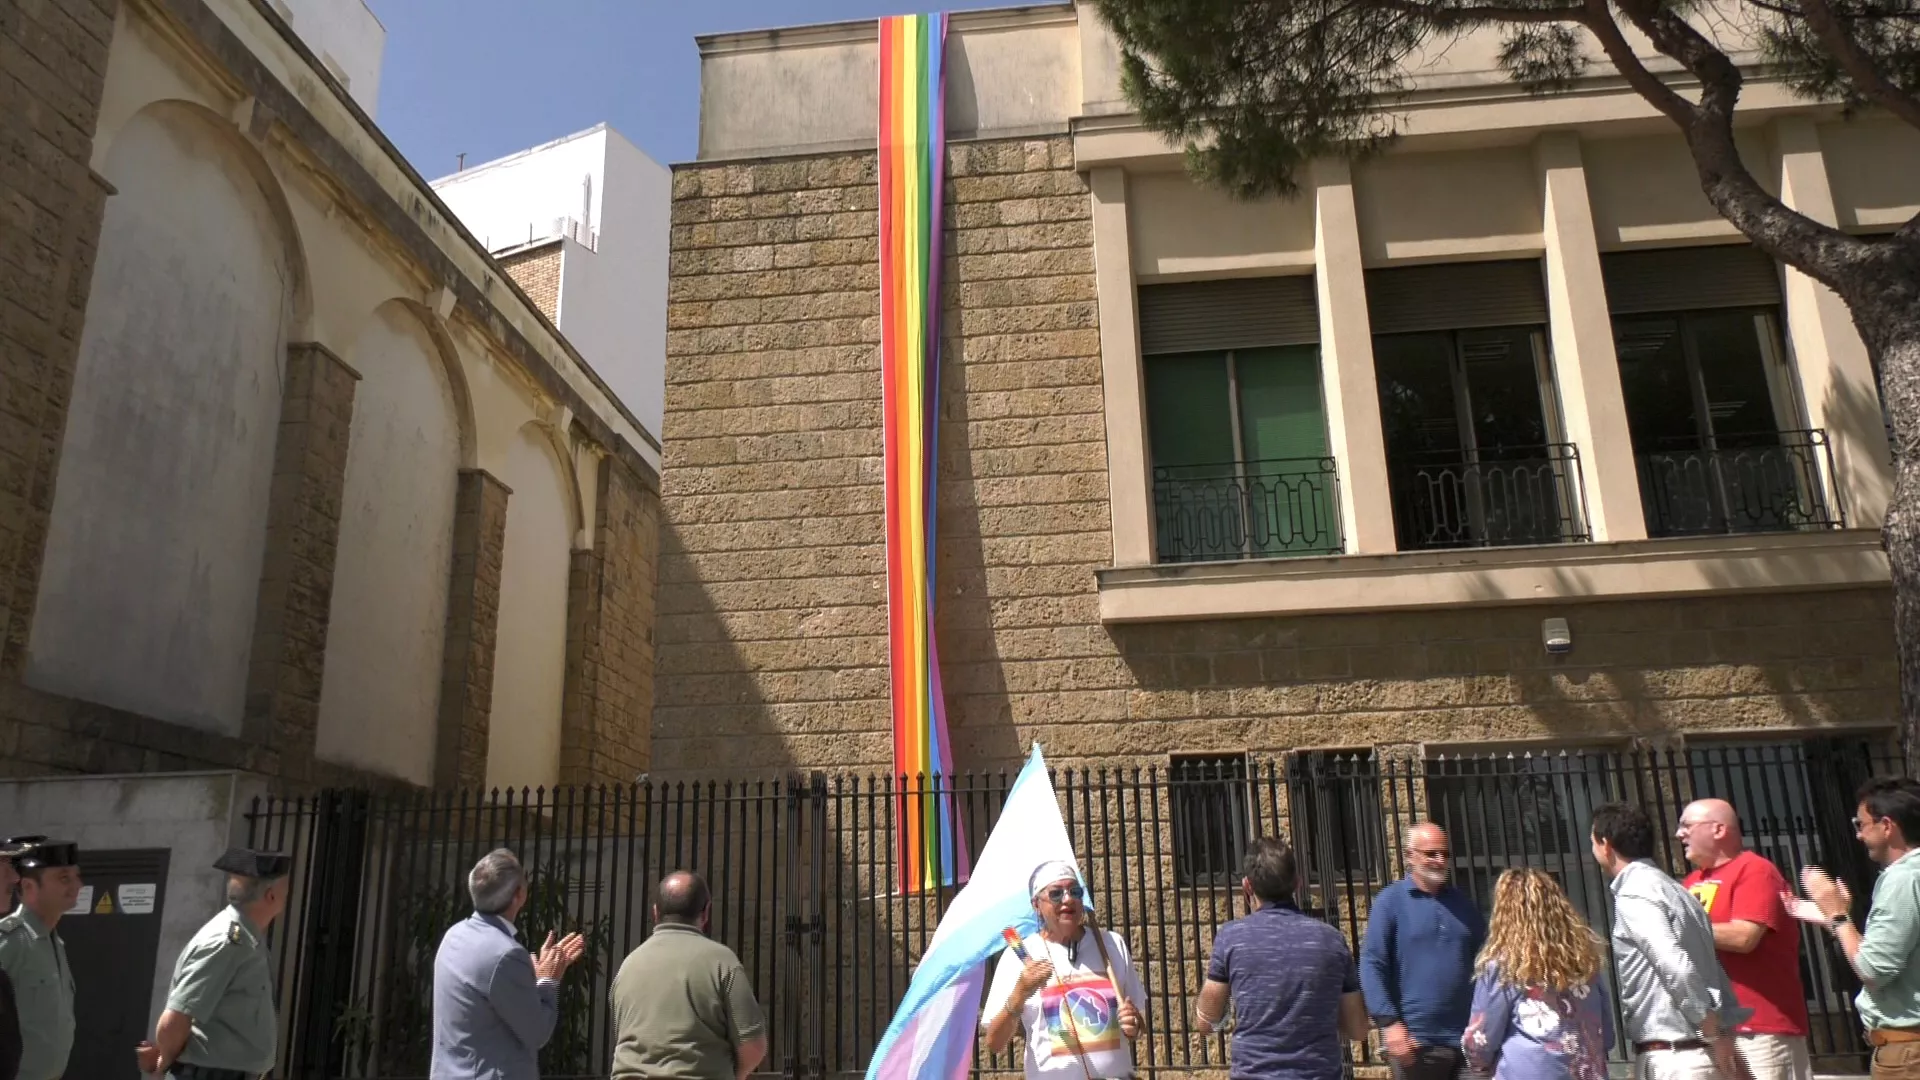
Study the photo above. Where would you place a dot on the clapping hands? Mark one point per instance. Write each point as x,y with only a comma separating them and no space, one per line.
555,957
1826,898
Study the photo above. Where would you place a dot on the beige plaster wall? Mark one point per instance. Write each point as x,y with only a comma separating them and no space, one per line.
1646,192
530,656
236,231
387,630
1873,166
764,92
1181,228
1448,205
173,421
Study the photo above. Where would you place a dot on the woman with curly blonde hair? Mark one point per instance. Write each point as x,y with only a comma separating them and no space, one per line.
1539,1009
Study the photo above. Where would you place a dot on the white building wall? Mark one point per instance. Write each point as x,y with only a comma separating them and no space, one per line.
614,202
347,38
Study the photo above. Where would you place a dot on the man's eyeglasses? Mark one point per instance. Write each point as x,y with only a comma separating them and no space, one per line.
1432,853
1057,894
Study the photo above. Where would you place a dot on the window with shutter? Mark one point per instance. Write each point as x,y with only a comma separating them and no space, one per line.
1475,454
1236,424
1711,403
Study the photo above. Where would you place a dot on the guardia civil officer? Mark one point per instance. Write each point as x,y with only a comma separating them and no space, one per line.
219,1022
9,1005
35,959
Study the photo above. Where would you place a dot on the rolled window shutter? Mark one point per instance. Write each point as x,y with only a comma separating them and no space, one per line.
1238,313
1456,296
1689,279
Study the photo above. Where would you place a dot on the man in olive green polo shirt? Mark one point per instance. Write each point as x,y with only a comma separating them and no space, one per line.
219,1023
1886,955
683,1007
35,959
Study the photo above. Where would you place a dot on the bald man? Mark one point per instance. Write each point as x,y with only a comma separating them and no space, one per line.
683,1007
1758,942
1416,964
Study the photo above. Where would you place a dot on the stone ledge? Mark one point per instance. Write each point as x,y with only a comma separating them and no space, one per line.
1641,569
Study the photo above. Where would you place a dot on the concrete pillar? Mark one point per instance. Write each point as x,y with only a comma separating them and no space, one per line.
1346,364
1584,364
1836,377
296,574
473,619
1129,470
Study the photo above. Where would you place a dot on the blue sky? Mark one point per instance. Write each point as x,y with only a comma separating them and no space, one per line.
489,77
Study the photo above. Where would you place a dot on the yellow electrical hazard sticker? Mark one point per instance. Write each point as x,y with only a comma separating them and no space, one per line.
105,904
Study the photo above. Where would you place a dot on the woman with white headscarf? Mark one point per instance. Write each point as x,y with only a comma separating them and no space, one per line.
1062,996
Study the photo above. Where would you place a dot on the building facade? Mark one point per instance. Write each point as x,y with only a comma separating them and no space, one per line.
1501,438
580,224
296,481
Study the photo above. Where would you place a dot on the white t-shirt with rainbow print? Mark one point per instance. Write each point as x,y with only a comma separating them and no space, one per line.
1077,1003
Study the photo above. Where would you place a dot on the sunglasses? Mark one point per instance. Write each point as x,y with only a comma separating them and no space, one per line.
1056,895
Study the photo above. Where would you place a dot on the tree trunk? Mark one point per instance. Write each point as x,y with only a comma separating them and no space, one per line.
1900,389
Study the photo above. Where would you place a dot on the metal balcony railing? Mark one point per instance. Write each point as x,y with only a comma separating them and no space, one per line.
1246,510
1774,481
1499,496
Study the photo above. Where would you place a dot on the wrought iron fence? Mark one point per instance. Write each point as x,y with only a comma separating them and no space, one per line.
1490,497
1246,510
805,883
1766,482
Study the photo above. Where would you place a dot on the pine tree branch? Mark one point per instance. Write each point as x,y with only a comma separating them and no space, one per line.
1817,249
1449,18
1857,64
1599,20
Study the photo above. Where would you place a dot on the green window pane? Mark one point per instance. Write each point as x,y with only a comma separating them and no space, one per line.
1189,421
1281,415
1283,426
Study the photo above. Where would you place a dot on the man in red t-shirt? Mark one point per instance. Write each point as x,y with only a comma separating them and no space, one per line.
1758,942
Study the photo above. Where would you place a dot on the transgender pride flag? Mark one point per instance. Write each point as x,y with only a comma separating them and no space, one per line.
931,1037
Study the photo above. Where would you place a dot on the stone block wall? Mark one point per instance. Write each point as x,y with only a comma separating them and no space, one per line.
303,534
607,723
537,272
473,620
53,63
772,603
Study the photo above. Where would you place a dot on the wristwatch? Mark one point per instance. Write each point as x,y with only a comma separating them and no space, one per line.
1838,921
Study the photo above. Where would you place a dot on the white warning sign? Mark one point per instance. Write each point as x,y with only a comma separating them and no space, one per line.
137,899
84,904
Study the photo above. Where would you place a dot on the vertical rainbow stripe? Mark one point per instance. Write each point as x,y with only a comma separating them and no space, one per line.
912,172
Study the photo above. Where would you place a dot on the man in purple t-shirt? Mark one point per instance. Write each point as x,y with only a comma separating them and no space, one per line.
1290,978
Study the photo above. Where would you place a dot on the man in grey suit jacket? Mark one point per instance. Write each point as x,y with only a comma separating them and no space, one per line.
494,1006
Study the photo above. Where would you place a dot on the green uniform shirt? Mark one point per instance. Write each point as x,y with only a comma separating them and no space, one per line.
681,1005
1889,957
223,981
35,959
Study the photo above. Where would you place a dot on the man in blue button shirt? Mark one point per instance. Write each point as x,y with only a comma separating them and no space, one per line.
1416,965
1288,977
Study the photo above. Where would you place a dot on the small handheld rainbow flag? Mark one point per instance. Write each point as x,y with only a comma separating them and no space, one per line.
912,167
1013,942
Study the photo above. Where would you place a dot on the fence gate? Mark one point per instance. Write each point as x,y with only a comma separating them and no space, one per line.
379,879
806,888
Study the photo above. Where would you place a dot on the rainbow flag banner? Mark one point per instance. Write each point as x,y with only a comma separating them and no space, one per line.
912,173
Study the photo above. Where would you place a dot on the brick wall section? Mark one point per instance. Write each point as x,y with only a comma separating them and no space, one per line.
537,272
606,725
772,615
303,538
473,620
53,62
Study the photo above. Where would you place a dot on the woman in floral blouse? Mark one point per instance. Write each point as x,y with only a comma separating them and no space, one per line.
1539,1010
